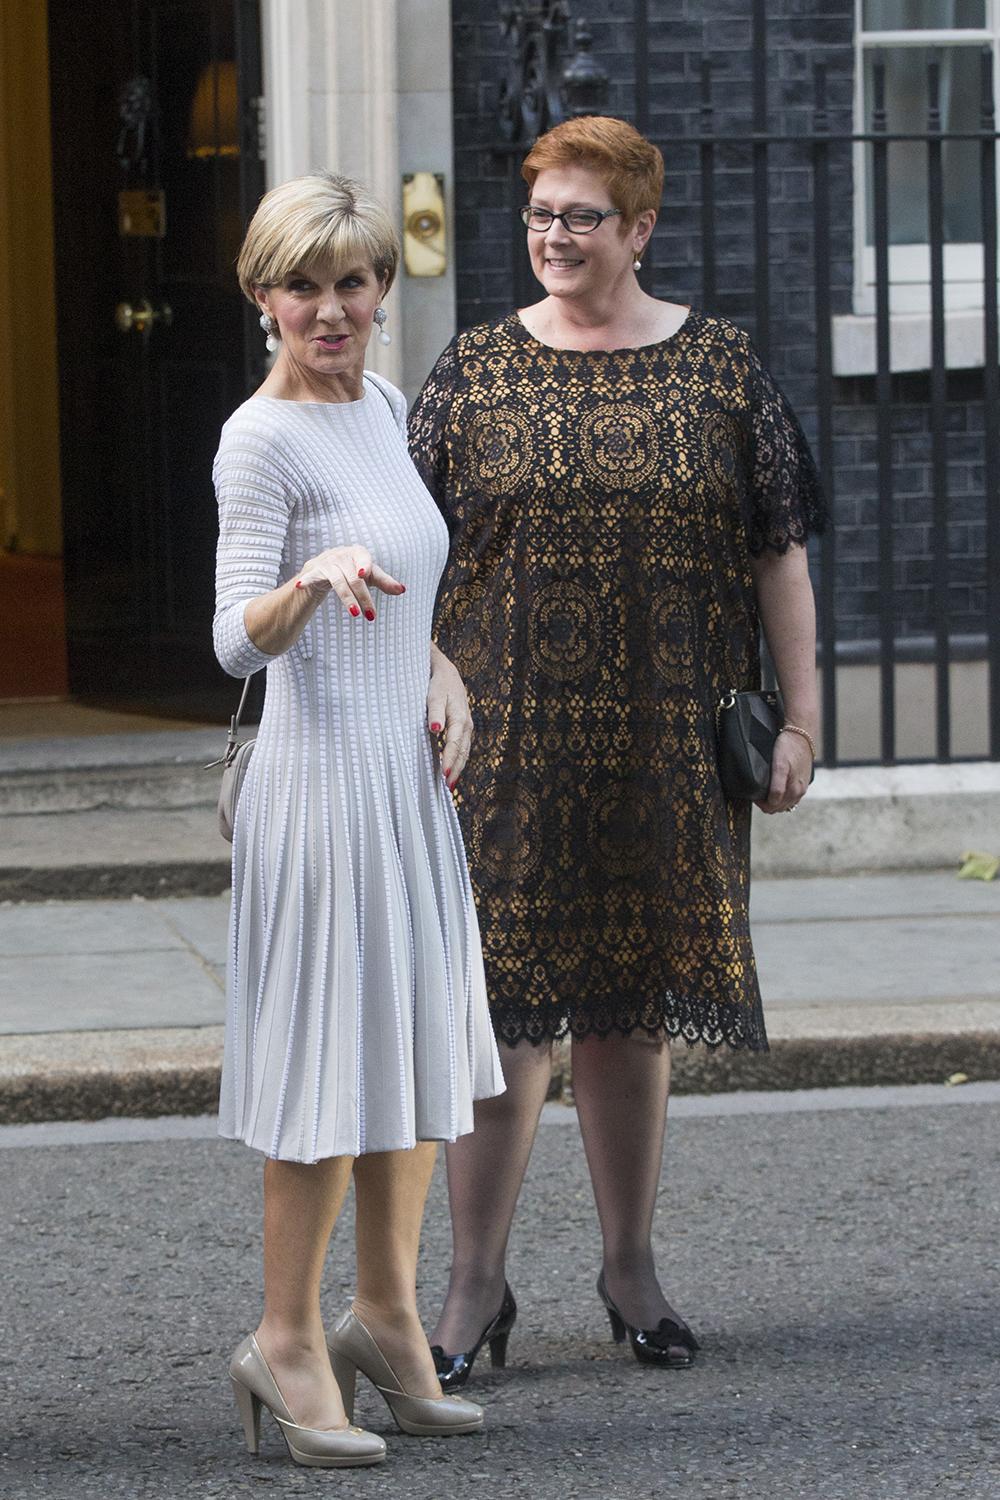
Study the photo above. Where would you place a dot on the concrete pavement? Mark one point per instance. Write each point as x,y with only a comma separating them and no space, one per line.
115,1007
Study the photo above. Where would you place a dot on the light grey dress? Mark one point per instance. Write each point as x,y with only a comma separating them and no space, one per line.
356,1015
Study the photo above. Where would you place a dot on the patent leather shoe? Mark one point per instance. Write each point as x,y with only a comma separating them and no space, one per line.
454,1369
670,1344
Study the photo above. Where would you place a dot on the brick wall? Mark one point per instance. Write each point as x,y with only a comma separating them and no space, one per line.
680,34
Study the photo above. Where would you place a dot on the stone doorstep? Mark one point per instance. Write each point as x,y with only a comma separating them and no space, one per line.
99,882
112,853
92,1075
154,771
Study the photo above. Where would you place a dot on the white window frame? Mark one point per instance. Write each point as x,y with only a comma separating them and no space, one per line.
909,265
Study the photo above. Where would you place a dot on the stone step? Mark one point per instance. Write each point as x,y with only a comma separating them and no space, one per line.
112,852
158,771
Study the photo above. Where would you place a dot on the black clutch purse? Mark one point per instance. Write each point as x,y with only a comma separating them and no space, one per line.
746,726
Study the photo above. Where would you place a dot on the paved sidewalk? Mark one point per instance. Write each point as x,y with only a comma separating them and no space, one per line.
116,1007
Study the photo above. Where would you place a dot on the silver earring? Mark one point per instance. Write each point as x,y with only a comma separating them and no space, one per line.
637,264
380,318
270,327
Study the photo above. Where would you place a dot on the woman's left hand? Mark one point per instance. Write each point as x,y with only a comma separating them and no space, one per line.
791,769
448,714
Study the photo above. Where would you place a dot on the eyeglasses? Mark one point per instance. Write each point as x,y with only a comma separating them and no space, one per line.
576,220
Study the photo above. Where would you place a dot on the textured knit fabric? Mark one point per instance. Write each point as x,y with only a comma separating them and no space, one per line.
356,1017
604,508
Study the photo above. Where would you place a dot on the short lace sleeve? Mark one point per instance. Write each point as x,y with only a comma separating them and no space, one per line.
428,423
785,504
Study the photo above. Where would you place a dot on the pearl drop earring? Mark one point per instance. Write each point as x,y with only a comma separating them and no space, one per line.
637,264
380,318
270,327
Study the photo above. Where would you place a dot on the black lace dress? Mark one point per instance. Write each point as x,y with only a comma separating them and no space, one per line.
603,509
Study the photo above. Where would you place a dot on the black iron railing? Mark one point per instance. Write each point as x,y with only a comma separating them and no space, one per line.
815,148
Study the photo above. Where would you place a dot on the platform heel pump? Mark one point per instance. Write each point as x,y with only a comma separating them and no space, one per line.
255,1387
352,1348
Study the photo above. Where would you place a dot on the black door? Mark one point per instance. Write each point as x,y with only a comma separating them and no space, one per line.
156,167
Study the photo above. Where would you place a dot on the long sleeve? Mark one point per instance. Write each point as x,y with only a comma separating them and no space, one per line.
254,509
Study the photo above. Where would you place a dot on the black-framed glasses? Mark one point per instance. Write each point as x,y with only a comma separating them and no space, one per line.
576,220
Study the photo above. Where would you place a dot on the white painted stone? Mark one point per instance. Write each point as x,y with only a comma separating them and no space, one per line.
883,818
424,64
363,87
854,341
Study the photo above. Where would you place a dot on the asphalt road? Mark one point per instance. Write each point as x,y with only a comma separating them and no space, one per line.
839,1266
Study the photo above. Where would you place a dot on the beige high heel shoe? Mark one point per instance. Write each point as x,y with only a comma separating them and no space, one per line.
318,1448
352,1348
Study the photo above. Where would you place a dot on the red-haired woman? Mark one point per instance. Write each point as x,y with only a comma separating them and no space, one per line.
628,496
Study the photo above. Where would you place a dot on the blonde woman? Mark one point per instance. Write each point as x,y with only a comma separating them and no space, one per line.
357,1028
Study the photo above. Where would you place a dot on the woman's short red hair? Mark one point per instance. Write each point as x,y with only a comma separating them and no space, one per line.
631,166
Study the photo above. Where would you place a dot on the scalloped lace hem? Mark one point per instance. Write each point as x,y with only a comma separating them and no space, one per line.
713,1025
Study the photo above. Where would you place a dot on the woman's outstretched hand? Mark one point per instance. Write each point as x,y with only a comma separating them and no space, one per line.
448,714
351,572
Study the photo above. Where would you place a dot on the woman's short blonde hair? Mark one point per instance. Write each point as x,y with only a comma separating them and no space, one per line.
631,166
319,220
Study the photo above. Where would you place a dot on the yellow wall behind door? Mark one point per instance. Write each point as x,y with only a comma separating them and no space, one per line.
30,501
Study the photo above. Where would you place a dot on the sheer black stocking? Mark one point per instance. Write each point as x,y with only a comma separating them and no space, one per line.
621,1086
485,1172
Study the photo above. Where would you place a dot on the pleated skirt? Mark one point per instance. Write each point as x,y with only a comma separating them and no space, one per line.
357,1017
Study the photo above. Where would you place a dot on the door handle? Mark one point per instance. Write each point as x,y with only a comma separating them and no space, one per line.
140,316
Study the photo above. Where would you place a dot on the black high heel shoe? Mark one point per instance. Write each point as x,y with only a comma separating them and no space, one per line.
652,1346
454,1369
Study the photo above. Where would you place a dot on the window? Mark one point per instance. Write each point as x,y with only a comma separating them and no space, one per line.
908,35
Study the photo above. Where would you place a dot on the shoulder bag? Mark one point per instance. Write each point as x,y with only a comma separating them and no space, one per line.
234,763
746,727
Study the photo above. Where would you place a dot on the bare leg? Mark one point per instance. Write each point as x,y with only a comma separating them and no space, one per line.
485,1172
391,1189
621,1086
301,1204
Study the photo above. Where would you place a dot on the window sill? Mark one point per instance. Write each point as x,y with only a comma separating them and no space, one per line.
909,341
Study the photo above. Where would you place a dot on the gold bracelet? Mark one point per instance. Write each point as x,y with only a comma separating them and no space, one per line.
794,729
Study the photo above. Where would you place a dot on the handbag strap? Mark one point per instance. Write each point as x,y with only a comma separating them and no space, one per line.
367,379
234,723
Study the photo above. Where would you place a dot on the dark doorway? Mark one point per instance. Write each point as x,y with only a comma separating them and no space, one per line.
156,167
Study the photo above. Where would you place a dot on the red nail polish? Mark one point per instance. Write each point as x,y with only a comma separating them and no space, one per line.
402,588
298,583
361,572
355,611
369,614
435,729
